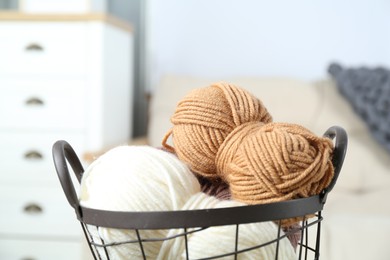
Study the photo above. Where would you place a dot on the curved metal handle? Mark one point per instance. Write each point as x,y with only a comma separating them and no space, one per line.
33,208
34,47
34,101
63,153
340,149
33,155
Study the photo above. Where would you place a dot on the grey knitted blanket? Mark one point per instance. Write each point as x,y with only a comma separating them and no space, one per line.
368,91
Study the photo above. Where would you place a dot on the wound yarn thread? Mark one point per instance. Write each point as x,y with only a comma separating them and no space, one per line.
135,178
276,162
205,117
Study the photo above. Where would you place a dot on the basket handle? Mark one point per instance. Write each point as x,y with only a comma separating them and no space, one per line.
63,152
340,149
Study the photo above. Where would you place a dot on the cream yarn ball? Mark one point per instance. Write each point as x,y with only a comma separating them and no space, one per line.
135,178
220,240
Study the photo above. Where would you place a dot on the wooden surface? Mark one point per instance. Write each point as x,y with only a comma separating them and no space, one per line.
23,17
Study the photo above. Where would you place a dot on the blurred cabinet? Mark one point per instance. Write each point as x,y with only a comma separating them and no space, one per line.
61,77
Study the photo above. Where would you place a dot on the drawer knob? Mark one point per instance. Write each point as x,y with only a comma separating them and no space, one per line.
33,155
34,101
34,47
33,208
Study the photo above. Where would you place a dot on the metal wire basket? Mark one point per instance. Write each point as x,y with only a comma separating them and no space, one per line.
190,221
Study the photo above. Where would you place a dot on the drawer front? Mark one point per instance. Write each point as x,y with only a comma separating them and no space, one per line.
39,250
26,158
42,104
37,211
42,48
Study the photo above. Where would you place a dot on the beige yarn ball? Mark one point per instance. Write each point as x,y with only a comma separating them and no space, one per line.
205,117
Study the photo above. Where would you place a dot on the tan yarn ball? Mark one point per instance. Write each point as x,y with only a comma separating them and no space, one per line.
275,162
205,117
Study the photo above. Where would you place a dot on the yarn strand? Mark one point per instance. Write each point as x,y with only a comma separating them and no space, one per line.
203,120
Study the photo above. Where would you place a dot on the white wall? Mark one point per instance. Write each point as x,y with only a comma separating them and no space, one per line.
223,38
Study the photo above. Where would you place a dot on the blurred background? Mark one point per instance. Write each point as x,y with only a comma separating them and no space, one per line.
224,38
99,73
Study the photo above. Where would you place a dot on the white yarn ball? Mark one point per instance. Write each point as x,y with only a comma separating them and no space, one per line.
135,178
220,240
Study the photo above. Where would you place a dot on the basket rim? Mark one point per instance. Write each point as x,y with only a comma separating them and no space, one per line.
201,217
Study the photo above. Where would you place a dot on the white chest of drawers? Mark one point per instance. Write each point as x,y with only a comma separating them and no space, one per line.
61,77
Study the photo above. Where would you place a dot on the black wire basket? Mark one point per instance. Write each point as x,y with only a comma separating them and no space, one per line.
187,222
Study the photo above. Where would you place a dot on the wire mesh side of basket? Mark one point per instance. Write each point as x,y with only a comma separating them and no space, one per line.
304,238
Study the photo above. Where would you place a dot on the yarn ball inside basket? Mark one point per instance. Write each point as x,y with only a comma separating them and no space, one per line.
276,162
219,240
135,178
205,117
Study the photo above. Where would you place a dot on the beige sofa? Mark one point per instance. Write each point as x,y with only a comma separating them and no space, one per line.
357,215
